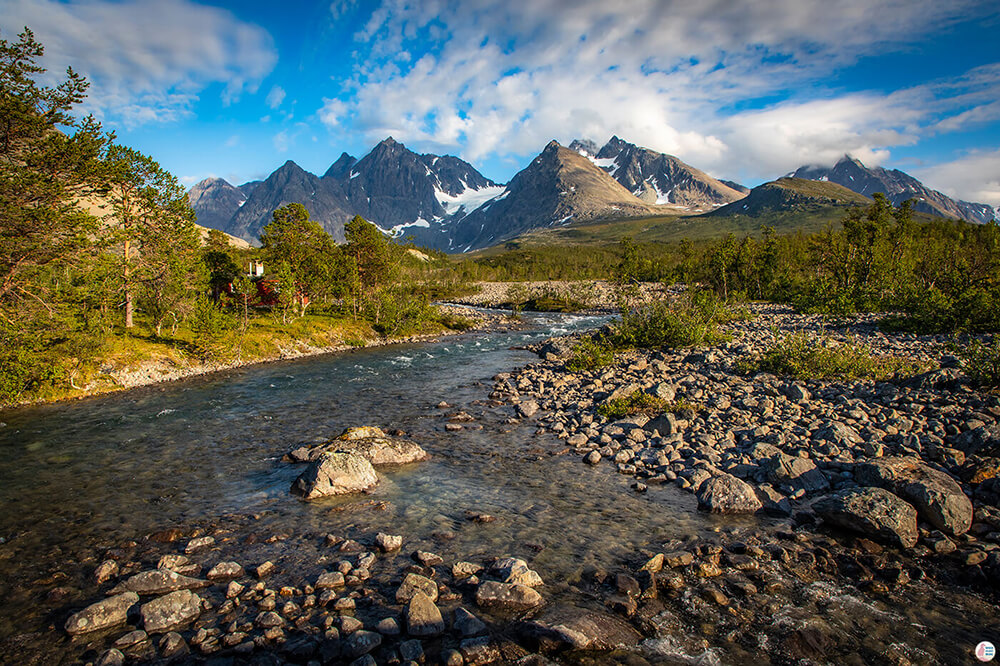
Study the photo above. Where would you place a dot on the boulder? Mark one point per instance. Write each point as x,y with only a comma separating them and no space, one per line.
578,629
727,494
423,618
158,581
514,570
982,440
104,614
527,409
368,442
414,584
507,596
468,624
873,512
665,424
839,433
335,474
796,472
225,571
362,642
937,497
170,611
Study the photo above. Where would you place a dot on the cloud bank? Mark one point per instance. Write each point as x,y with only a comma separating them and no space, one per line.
147,60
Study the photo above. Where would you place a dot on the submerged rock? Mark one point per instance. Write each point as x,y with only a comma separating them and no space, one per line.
507,596
938,497
170,611
335,474
423,618
109,612
874,512
579,629
159,581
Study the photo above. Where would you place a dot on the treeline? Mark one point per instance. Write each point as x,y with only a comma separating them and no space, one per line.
99,250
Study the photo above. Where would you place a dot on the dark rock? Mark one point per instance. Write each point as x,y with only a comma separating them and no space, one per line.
938,498
575,628
873,512
423,618
796,472
414,583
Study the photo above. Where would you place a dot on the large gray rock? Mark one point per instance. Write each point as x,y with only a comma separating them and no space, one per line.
335,474
414,584
796,472
938,497
368,442
158,581
873,512
507,596
104,614
665,424
423,618
839,433
983,440
170,611
579,629
727,494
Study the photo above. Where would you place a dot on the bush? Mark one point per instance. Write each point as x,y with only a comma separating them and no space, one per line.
802,357
981,362
692,322
590,354
634,403
211,327
455,322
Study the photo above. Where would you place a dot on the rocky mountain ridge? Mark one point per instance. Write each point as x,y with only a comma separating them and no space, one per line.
898,187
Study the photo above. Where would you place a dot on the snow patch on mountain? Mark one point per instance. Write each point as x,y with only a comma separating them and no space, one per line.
469,198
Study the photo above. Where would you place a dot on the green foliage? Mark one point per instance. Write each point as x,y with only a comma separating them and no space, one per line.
693,321
590,354
453,321
212,328
981,362
638,402
802,357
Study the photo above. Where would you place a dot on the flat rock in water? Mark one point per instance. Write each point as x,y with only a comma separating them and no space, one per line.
170,611
508,596
335,474
727,494
579,629
104,614
159,581
413,584
368,442
938,497
874,512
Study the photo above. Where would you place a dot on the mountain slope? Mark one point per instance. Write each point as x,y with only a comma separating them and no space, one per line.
291,184
898,186
559,186
406,193
215,202
657,178
791,195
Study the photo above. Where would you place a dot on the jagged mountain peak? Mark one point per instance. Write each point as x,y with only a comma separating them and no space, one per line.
341,167
585,147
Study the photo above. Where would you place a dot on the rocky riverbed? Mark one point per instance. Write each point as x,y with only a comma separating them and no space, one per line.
853,523
596,296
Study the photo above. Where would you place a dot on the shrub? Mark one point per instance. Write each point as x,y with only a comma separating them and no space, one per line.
799,356
634,403
692,322
455,322
981,362
590,354
211,327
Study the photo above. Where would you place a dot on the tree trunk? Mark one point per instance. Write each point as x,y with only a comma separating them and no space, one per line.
128,289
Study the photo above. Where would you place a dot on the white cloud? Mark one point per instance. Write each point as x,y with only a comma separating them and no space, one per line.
275,97
147,60
502,78
974,177
281,140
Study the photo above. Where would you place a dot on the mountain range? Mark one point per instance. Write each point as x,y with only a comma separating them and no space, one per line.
444,203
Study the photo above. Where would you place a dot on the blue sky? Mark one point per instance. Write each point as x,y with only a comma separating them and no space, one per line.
747,91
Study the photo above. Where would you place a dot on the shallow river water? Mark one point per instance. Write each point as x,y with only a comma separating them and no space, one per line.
79,477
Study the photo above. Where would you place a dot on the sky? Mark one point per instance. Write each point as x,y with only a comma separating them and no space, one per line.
746,91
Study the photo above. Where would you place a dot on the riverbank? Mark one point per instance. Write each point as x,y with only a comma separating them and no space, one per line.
159,363
888,488
594,296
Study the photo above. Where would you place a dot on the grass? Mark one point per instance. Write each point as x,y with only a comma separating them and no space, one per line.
981,362
640,402
590,354
802,357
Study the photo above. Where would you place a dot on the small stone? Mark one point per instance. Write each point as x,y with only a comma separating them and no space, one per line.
427,559
411,650
233,590
330,580
414,583
225,571
592,458
112,657
264,570
201,543
468,624
491,594
362,642
105,571
387,627
170,611
172,645
348,625
388,543
269,619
